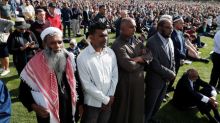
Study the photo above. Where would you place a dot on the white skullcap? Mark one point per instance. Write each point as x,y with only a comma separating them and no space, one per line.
50,30
166,17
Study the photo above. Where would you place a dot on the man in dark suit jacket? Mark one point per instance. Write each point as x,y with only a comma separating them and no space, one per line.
179,46
161,69
188,94
86,18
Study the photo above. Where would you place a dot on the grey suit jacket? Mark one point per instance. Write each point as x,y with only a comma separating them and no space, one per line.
162,68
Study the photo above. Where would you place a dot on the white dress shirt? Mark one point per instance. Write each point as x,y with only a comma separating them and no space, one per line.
217,42
168,44
99,75
204,99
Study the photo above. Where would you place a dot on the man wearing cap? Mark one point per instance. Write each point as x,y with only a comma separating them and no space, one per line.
49,88
22,44
53,17
179,46
39,25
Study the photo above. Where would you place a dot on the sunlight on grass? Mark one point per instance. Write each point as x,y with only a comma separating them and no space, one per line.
167,114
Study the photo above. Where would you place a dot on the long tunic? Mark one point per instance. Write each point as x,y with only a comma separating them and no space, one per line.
129,96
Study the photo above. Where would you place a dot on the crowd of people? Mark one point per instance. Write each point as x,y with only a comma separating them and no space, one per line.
97,81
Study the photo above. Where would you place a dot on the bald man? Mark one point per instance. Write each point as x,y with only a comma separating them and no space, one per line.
131,57
188,94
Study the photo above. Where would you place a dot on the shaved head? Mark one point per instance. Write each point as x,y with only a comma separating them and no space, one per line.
128,20
128,27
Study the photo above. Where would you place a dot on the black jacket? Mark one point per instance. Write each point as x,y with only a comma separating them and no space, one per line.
185,96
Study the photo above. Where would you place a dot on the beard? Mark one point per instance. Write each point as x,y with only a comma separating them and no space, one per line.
56,62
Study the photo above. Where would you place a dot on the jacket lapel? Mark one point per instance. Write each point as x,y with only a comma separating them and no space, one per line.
163,47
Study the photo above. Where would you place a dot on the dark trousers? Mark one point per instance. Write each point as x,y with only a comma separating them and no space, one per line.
170,85
66,25
215,75
95,115
43,120
86,26
154,98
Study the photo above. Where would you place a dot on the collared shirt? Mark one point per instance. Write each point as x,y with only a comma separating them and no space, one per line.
204,99
99,75
167,44
181,39
217,42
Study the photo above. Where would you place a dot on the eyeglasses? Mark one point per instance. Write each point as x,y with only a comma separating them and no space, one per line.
56,42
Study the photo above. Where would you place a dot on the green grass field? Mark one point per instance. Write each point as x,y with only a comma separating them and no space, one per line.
167,113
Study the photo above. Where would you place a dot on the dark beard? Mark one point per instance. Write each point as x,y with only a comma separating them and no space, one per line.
56,62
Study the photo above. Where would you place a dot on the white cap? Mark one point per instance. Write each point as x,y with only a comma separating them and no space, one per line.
50,30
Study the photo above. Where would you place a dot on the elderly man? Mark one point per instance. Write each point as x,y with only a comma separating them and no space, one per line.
52,86
179,46
98,72
162,68
188,94
131,58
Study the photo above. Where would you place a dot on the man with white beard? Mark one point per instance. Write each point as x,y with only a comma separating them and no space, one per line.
50,77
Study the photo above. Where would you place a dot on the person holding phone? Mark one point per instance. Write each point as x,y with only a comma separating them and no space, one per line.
22,44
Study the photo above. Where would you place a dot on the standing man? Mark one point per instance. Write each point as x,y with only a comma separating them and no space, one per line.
100,17
131,57
53,17
52,95
86,18
28,12
162,68
39,25
124,14
215,75
179,46
75,22
66,15
98,72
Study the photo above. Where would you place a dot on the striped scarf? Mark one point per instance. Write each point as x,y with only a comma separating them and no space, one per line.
43,81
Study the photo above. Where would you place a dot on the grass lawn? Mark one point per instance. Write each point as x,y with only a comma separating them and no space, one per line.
167,113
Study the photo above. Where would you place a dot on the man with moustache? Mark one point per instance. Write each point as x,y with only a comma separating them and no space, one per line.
98,72
131,57
161,70
39,25
51,89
